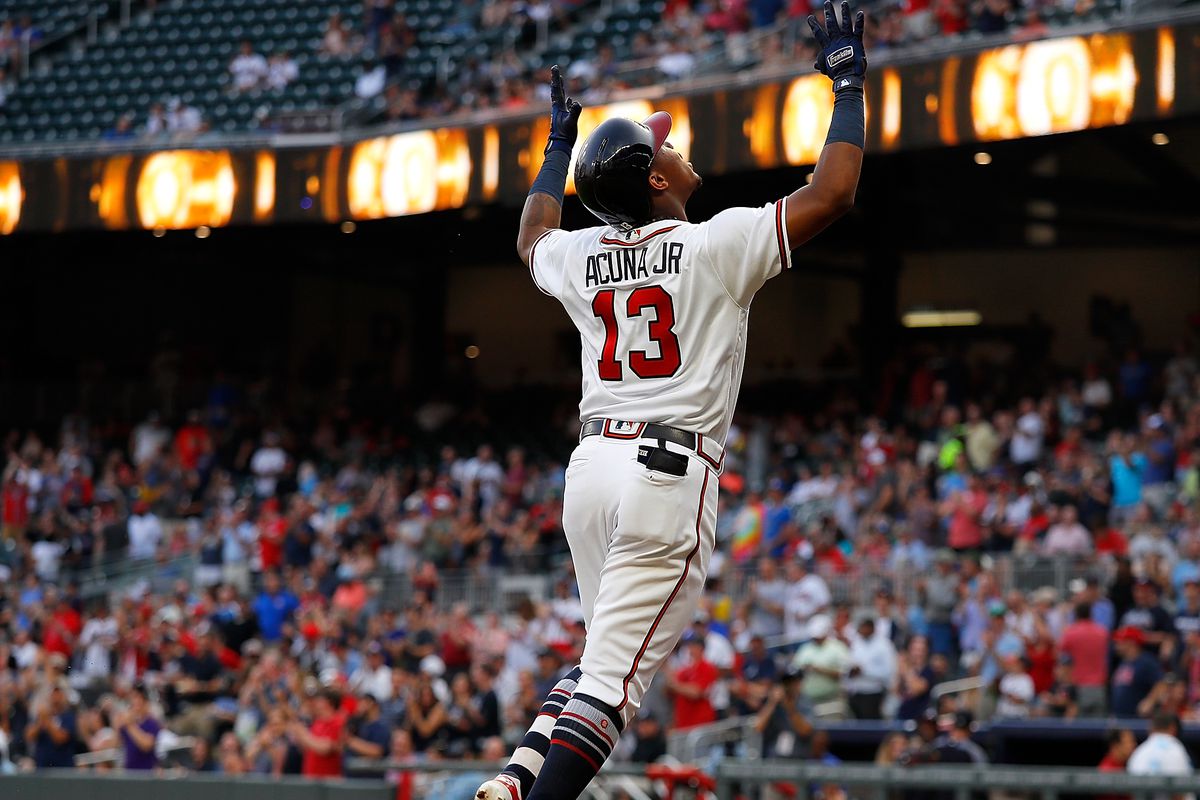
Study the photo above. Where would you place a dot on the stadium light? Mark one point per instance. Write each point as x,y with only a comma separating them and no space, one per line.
1160,139
203,232
349,227
928,318
983,159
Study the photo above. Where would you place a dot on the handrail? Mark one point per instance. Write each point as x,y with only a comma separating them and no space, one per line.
955,687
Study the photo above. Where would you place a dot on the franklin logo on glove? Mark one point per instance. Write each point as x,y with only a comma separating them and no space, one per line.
840,56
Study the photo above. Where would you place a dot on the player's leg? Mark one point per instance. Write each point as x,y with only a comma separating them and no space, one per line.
586,520
652,579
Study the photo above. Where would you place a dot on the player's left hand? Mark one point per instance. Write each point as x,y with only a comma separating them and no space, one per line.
564,115
843,58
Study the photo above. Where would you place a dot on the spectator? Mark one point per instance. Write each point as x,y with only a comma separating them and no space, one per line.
139,731
274,608
371,80
122,129
1136,672
691,685
281,71
992,16
805,596
182,119
248,70
50,733
366,734
941,598
145,532
1061,698
1015,689
758,674
650,741
1121,744
1162,753
338,39
1148,615
783,721
1086,643
769,594
957,746
872,670
321,741
1067,537
269,463
825,660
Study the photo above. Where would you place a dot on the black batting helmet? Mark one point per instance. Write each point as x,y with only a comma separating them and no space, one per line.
612,169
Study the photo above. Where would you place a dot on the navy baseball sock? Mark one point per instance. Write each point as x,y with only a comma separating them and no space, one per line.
526,761
582,740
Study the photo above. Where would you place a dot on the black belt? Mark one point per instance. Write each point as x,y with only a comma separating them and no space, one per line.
649,430
611,429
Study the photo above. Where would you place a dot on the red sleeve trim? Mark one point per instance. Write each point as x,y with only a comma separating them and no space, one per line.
785,254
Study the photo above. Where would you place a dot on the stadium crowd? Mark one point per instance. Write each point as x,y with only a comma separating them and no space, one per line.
859,564
690,35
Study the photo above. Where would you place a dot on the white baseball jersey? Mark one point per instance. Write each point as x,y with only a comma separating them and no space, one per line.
662,311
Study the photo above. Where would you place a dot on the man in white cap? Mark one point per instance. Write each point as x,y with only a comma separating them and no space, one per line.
825,660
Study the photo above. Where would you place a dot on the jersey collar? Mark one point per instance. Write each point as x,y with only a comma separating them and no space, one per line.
641,234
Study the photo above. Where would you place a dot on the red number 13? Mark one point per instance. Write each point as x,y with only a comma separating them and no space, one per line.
668,360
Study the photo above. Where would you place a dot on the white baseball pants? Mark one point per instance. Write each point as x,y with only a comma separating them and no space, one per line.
641,543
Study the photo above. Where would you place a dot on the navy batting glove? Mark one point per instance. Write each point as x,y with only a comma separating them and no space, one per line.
843,58
564,116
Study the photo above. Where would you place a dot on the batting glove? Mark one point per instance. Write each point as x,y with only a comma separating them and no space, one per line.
843,58
564,116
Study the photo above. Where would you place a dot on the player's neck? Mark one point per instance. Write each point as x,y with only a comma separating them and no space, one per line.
668,209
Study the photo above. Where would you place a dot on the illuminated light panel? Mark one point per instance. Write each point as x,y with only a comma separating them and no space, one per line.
1165,72
186,189
110,199
993,94
1114,79
941,319
946,108
891,108
12,196
409,173
983,159
1160,139
1053,89
1053,86
807,109
264,186
759,128
491,162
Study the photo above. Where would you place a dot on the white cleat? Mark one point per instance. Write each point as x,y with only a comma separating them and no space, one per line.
502,787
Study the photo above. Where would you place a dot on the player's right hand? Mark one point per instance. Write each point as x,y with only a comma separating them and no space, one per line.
843,58
564,115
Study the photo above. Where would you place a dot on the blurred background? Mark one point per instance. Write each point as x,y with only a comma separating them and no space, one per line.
284,422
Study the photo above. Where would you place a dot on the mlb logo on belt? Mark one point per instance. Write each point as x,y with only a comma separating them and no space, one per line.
623,427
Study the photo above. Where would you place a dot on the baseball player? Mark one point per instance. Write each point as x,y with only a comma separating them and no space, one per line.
661,305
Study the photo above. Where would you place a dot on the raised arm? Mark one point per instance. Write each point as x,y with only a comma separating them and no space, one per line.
811,208
543,207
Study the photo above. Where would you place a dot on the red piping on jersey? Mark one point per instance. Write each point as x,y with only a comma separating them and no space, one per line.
707,458
687,566
577,752
533,250
780,236
643,240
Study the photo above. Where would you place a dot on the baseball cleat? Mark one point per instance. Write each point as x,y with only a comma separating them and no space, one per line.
502,787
